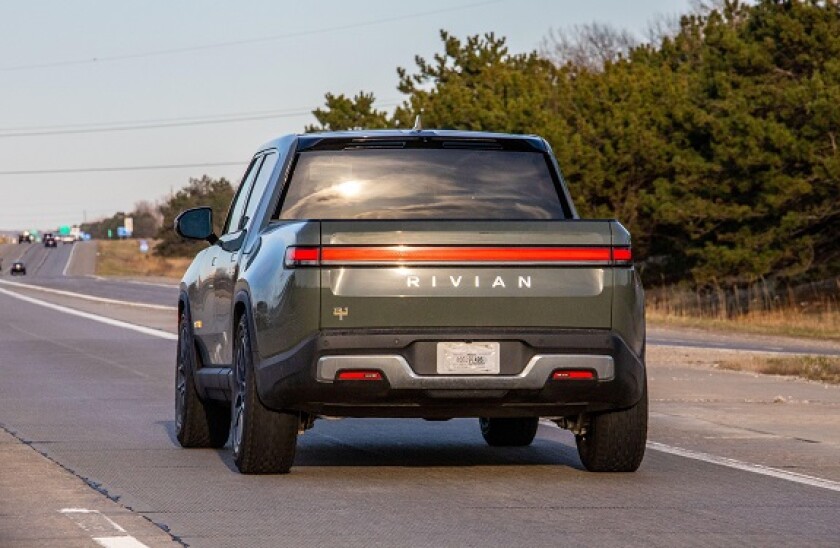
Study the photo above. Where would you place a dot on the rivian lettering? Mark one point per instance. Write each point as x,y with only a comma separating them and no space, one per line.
522,282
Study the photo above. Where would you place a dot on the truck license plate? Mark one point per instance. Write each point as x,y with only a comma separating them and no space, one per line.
462,358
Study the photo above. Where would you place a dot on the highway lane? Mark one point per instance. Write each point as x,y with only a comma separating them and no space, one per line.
47,267
98,400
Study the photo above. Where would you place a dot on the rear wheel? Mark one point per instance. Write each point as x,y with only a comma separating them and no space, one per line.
197,423
615,441
264,441
509,432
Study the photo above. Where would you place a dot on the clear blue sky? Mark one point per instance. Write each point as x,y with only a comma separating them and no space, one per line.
151,66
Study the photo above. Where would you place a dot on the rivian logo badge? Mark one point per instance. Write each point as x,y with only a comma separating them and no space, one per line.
340,312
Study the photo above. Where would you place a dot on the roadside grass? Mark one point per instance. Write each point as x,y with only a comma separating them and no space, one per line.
789,321
816,368
124,258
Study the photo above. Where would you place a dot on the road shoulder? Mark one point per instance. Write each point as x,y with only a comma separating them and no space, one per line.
780,422
43,504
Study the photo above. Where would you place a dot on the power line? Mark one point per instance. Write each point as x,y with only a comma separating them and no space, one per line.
150,126
155,124
122,168
153,120
236,43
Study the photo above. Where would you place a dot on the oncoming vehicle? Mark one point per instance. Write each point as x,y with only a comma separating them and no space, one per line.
424,273
18,269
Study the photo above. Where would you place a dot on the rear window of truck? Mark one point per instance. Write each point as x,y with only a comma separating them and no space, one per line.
421,184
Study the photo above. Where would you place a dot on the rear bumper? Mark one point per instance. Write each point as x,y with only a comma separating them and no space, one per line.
304,378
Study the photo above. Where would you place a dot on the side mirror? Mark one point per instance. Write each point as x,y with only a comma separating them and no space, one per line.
196,224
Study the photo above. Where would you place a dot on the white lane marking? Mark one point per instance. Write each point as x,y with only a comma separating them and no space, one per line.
813,481
69,260
92,520
96,523
89,297
119,542
153,284
94,317
746,466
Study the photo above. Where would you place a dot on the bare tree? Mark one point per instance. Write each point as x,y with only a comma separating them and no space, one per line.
705,7
661,26
588,46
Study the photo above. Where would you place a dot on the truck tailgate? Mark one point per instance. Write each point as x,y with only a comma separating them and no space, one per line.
380,274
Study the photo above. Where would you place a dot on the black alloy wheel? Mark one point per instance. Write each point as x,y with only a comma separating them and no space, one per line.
197,423
263,440
615,441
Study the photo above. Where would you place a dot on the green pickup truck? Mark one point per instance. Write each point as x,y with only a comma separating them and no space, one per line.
423,273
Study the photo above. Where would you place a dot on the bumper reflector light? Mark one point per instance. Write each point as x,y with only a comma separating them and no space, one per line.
573,374
358,375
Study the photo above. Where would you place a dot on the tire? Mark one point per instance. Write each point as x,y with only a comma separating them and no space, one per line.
263,441
509,432
197,423
615,441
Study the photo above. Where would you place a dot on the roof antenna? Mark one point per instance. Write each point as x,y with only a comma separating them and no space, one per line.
418,124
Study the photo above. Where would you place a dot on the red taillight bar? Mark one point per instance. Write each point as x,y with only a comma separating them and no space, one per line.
427,254
622,254
383,255
303,256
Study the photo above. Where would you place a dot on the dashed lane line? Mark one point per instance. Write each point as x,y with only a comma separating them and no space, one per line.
103,530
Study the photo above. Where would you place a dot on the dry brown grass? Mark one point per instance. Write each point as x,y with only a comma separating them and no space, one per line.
807,310
791,322
123,258
816,368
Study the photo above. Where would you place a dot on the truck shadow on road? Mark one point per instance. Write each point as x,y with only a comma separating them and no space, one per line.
418,443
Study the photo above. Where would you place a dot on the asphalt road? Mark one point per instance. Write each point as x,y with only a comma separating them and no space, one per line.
48,267
96,400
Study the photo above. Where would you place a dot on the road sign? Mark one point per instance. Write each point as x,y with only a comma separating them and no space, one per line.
144,246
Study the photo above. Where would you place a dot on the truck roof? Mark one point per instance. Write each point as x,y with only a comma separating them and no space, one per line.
310,140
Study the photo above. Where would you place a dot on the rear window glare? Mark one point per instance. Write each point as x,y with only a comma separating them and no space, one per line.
449,183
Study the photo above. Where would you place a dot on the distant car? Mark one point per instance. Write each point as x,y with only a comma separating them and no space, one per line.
49,240
24,238
18,269
68,239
